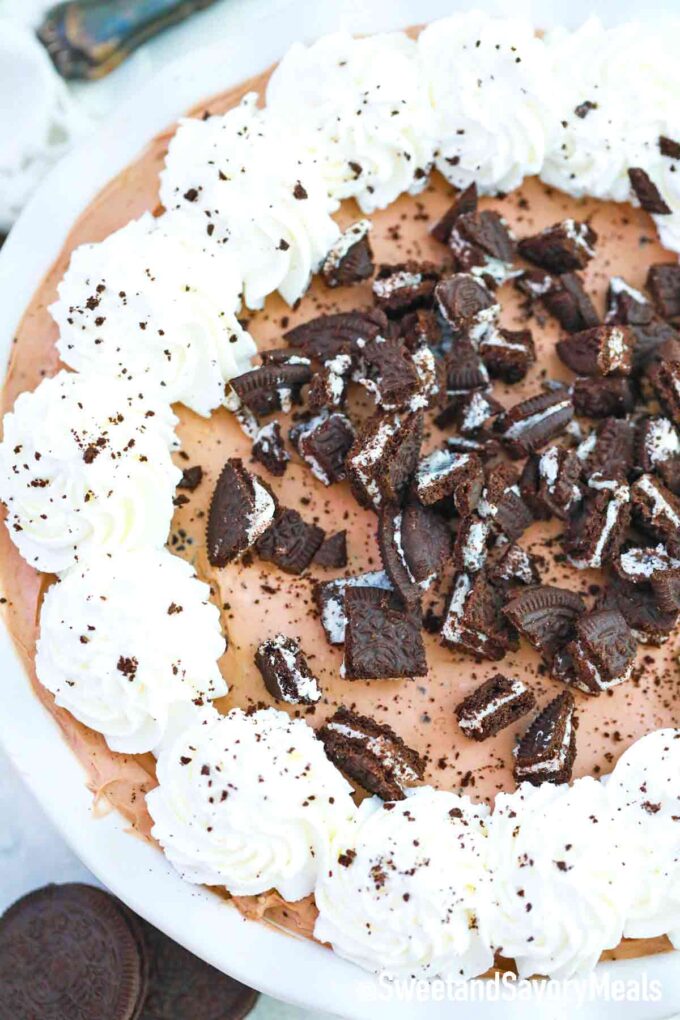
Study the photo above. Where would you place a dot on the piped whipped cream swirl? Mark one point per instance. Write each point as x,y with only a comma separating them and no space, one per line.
492,92
249,802
127,639
404,885
151,305
361,109
85,466
644,789
560,878
246,185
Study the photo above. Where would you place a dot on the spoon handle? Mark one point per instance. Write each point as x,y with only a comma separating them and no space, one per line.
87,39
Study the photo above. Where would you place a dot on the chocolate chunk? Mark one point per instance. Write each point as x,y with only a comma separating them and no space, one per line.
484,246
509,563
444,474
492,706
545,615
290,543
371,754
473,620
657,510
47,970
638,604
602,350
265,390
530,424
508,353
350,260
594,397
323,443
656,441
383,459
269,449
330,600
470,550
464,369
466,202
607,452
602,653
328,388
381,642
647,193
285,671
550,483
332,553
191,478
327,335
404,286
241,509
596,533
546,752
568,302
663,283
561,248
414,543
501,502
476,411
467,304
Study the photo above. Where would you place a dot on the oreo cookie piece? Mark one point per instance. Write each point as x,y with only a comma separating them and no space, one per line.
602,653
273,386
381,641
467,305
473,620
596,532
509,564
329,597
350,260
647,193
561,248
664,378
663,283
421,328
332,552
290,543
476,411
501,503
285,671
610,397
323,443
550,483
404,286
242,508
388,372
414,544
191,478
545,615
466,202
445,474
607,452
483,245
602,350
530,424
327,335
627,306
642,565
546,752
657,510
568,302
492,706
182,987
48,969
656,442
383,458
328,388
269,449
639,606
464,371
371,754
508,354
471,547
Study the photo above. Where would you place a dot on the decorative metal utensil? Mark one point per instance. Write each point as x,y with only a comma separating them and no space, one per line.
87,39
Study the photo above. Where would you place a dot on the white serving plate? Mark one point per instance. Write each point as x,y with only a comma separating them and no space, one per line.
296,971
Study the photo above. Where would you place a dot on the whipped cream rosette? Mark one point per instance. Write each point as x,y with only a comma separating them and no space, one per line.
404,886
492,92
85,466
249,188
561,886
152,305
249,802
361,109
644,789
125,640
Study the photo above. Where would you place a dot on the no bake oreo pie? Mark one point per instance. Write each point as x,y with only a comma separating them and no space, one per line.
431,498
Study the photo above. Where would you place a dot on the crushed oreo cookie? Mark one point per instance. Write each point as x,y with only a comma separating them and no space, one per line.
350,260
269,449
495,704
242,508
382,642
561,248
546,752
285,671
290,542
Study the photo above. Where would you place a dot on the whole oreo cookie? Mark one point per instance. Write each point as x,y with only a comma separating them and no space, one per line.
70,951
